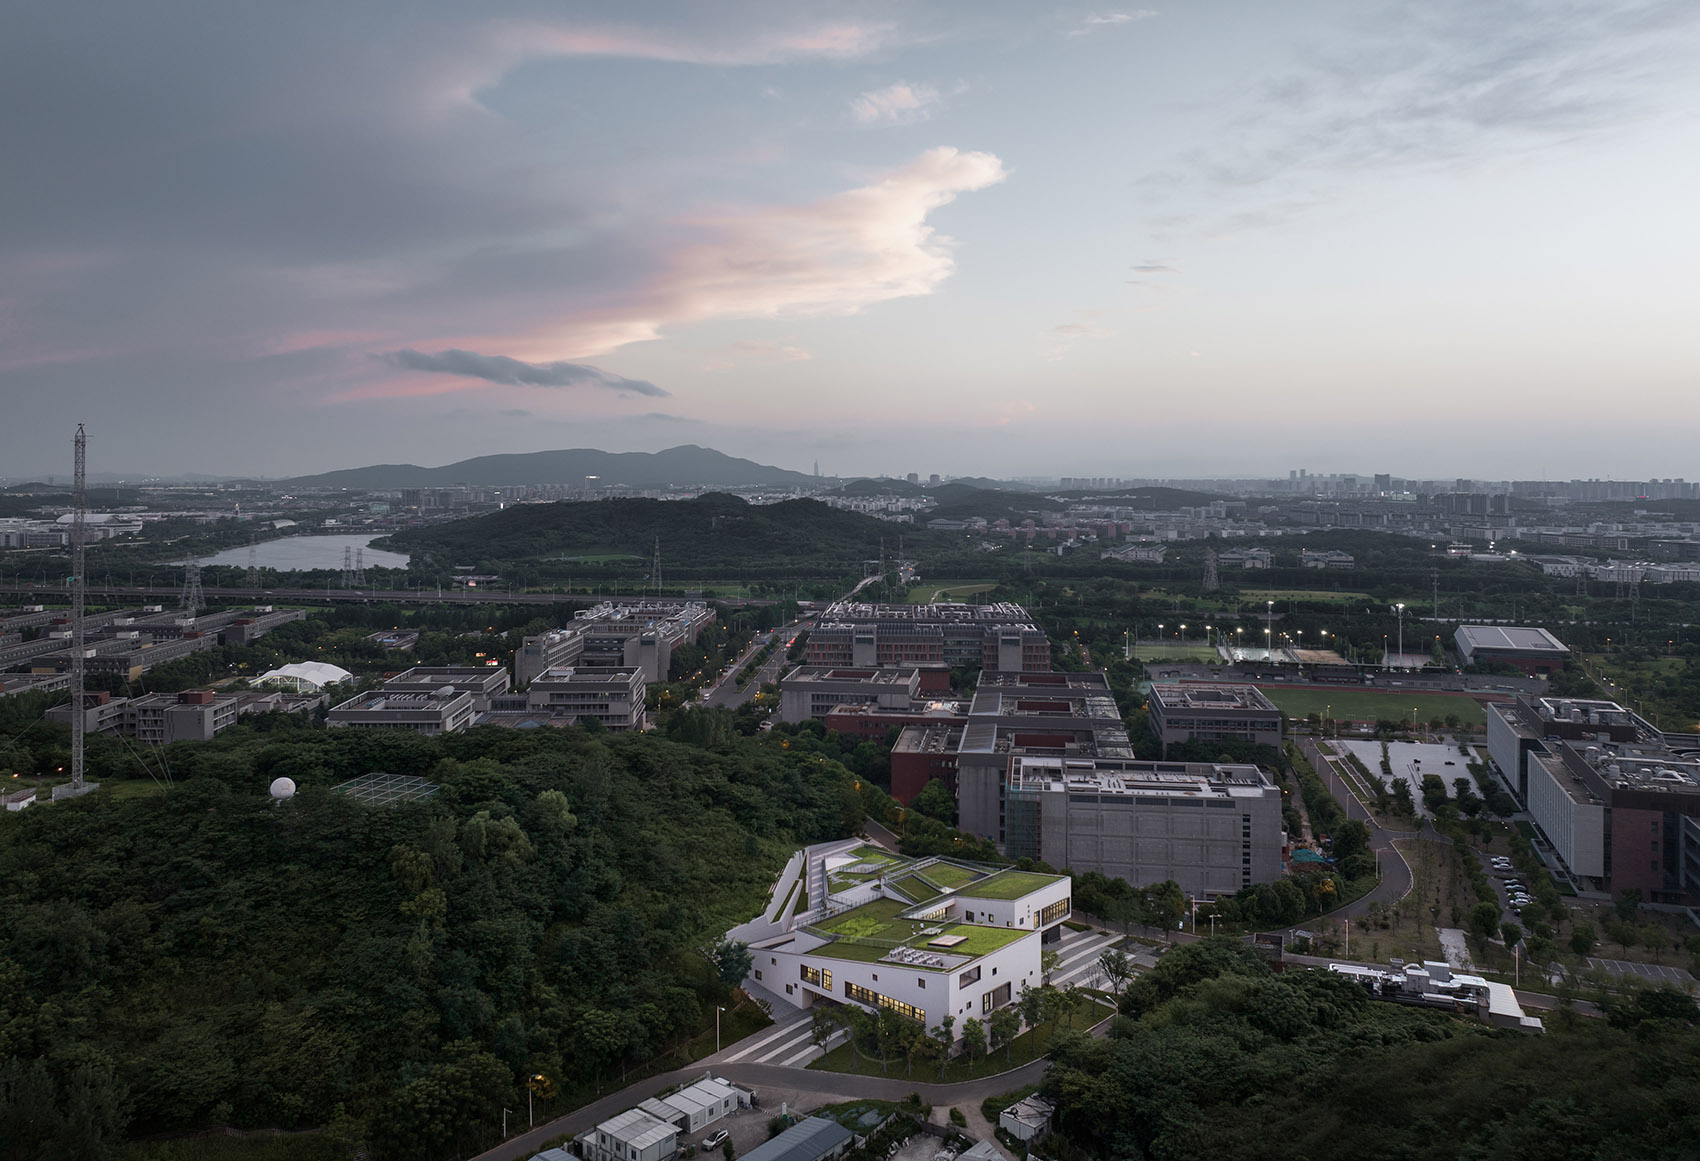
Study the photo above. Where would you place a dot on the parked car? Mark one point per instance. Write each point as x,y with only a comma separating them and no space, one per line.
715,1139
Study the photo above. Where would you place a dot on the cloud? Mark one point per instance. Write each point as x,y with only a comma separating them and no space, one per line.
1062,338
1153,268
1447,84
501,369
896,104
840,41
1110,19
835,256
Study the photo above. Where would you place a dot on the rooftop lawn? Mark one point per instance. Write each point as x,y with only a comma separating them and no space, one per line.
879,921
946,875
871,854
1009,885
916,888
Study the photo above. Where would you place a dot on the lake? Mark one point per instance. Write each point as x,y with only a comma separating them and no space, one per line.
307,552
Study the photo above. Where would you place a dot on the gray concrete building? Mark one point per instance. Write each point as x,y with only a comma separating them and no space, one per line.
483,682
195,715
614,634
1211,828
442,710
613,697
813,691
1191,712
997,637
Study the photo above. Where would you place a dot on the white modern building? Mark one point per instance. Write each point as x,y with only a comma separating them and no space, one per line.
927,938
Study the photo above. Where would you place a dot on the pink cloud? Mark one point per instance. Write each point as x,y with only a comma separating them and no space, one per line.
838,256
896,104
844,41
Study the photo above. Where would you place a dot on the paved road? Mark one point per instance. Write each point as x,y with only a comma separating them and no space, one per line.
725,692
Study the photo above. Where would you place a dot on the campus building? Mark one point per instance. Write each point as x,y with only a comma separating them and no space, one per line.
615,634
1619,805
1063,715
195,715
1189,712
1535,651
814,691
927,938
440,710
998,637
483,682
613,697
1211,828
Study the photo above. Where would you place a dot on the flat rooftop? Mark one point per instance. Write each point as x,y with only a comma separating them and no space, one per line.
1504,638
942,612
895,675
1194,780
1212,697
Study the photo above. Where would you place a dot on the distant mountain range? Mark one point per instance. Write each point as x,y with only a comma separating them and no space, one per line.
684,466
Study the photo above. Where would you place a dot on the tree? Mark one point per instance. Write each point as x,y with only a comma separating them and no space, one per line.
1484,920
732,962
1005,1026
1048,963
1582,938
1117,968
936,802
1031,1004
944,1037
1628,903
822,1027
973,1039
1510,933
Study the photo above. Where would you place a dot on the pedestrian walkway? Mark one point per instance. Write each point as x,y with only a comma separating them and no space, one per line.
1080,952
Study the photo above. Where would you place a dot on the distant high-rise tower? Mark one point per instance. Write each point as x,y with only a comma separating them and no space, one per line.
817,468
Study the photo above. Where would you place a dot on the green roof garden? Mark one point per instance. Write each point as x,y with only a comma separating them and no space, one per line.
867,933
949,875
1006,885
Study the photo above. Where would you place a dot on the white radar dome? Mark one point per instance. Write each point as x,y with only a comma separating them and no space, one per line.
283,788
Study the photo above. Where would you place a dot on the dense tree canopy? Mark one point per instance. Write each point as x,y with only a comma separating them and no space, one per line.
1217,1056
205,956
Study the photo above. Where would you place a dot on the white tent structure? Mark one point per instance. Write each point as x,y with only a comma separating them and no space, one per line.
305,676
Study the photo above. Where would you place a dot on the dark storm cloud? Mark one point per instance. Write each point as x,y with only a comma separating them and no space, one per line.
501,369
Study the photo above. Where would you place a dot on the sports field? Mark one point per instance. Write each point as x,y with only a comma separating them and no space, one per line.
1363,706
1174,651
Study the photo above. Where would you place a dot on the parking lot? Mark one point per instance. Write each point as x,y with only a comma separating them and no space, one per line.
1656,973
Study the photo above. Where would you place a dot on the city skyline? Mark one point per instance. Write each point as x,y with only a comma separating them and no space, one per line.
1217,241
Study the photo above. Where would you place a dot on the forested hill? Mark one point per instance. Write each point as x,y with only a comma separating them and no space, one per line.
708,532
1216,1057
686,466
206,957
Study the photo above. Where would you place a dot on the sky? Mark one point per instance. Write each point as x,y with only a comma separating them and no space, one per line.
1217,238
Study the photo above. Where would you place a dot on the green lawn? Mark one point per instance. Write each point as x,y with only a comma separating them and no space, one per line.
1009,885
879,921
948,590
917,888
1301,595
949,875
1347,704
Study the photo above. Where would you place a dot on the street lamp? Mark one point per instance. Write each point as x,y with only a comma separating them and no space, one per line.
717,1010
